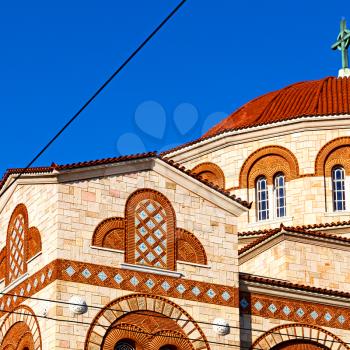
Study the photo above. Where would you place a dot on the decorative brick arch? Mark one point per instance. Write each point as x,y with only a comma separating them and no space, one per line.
34,242
20,329
127,318
334,152
17,244
110,233
276,336
22,243
268,161
137,203
211,172
189,248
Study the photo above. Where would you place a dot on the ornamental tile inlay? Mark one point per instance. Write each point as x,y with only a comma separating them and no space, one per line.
258,305
86,273
314,315
181,289
70,271
327,316
102,276
118,278
244,303
300,312
272,308
286,310
149,283
211,293
166,286
196,291
226,296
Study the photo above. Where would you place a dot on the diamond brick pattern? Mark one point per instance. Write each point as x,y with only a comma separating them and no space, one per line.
86,273
181,289
166,286
327,316
272,308
150,284
151,234
314,315
294,310
102,276
286,310
196,291
70,271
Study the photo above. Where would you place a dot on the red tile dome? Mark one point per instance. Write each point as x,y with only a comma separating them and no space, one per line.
328,96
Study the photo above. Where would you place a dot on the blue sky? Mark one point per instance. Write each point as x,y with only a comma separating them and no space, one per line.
212,57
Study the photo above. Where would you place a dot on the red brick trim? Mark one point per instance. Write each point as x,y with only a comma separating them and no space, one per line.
34,242
29,335
2,263
211,172
144,302
189,248
298,331
110,233
268,161
334,152
130,208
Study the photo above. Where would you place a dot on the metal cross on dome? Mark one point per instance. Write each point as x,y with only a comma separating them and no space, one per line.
342,43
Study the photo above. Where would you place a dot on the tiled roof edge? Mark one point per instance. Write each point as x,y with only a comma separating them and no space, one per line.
291,285
273,232
303,227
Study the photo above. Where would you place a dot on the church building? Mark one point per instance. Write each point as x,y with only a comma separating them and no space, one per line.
237,240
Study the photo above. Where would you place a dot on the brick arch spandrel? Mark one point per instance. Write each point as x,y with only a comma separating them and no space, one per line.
268,161
211,172
327,156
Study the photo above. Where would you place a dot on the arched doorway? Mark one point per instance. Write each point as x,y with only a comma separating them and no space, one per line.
20,330
151,323
299,345
298,336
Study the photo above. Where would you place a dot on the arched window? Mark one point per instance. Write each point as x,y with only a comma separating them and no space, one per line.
150,231
280,195
17,244
338,187
262,199
151,234
125,345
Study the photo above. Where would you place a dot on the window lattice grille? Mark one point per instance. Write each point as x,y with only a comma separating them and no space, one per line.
150,234
16,249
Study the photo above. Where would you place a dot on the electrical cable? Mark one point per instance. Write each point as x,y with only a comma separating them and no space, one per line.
295,336
99,90
136,312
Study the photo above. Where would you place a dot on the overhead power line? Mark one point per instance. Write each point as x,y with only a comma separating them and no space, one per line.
139,312
99,90
295,336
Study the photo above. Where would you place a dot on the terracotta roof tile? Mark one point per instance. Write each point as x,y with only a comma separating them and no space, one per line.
303,227
105,161
328,96
273,232
290,285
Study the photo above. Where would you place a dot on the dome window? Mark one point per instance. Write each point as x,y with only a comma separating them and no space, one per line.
338,188
262,199
280,195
